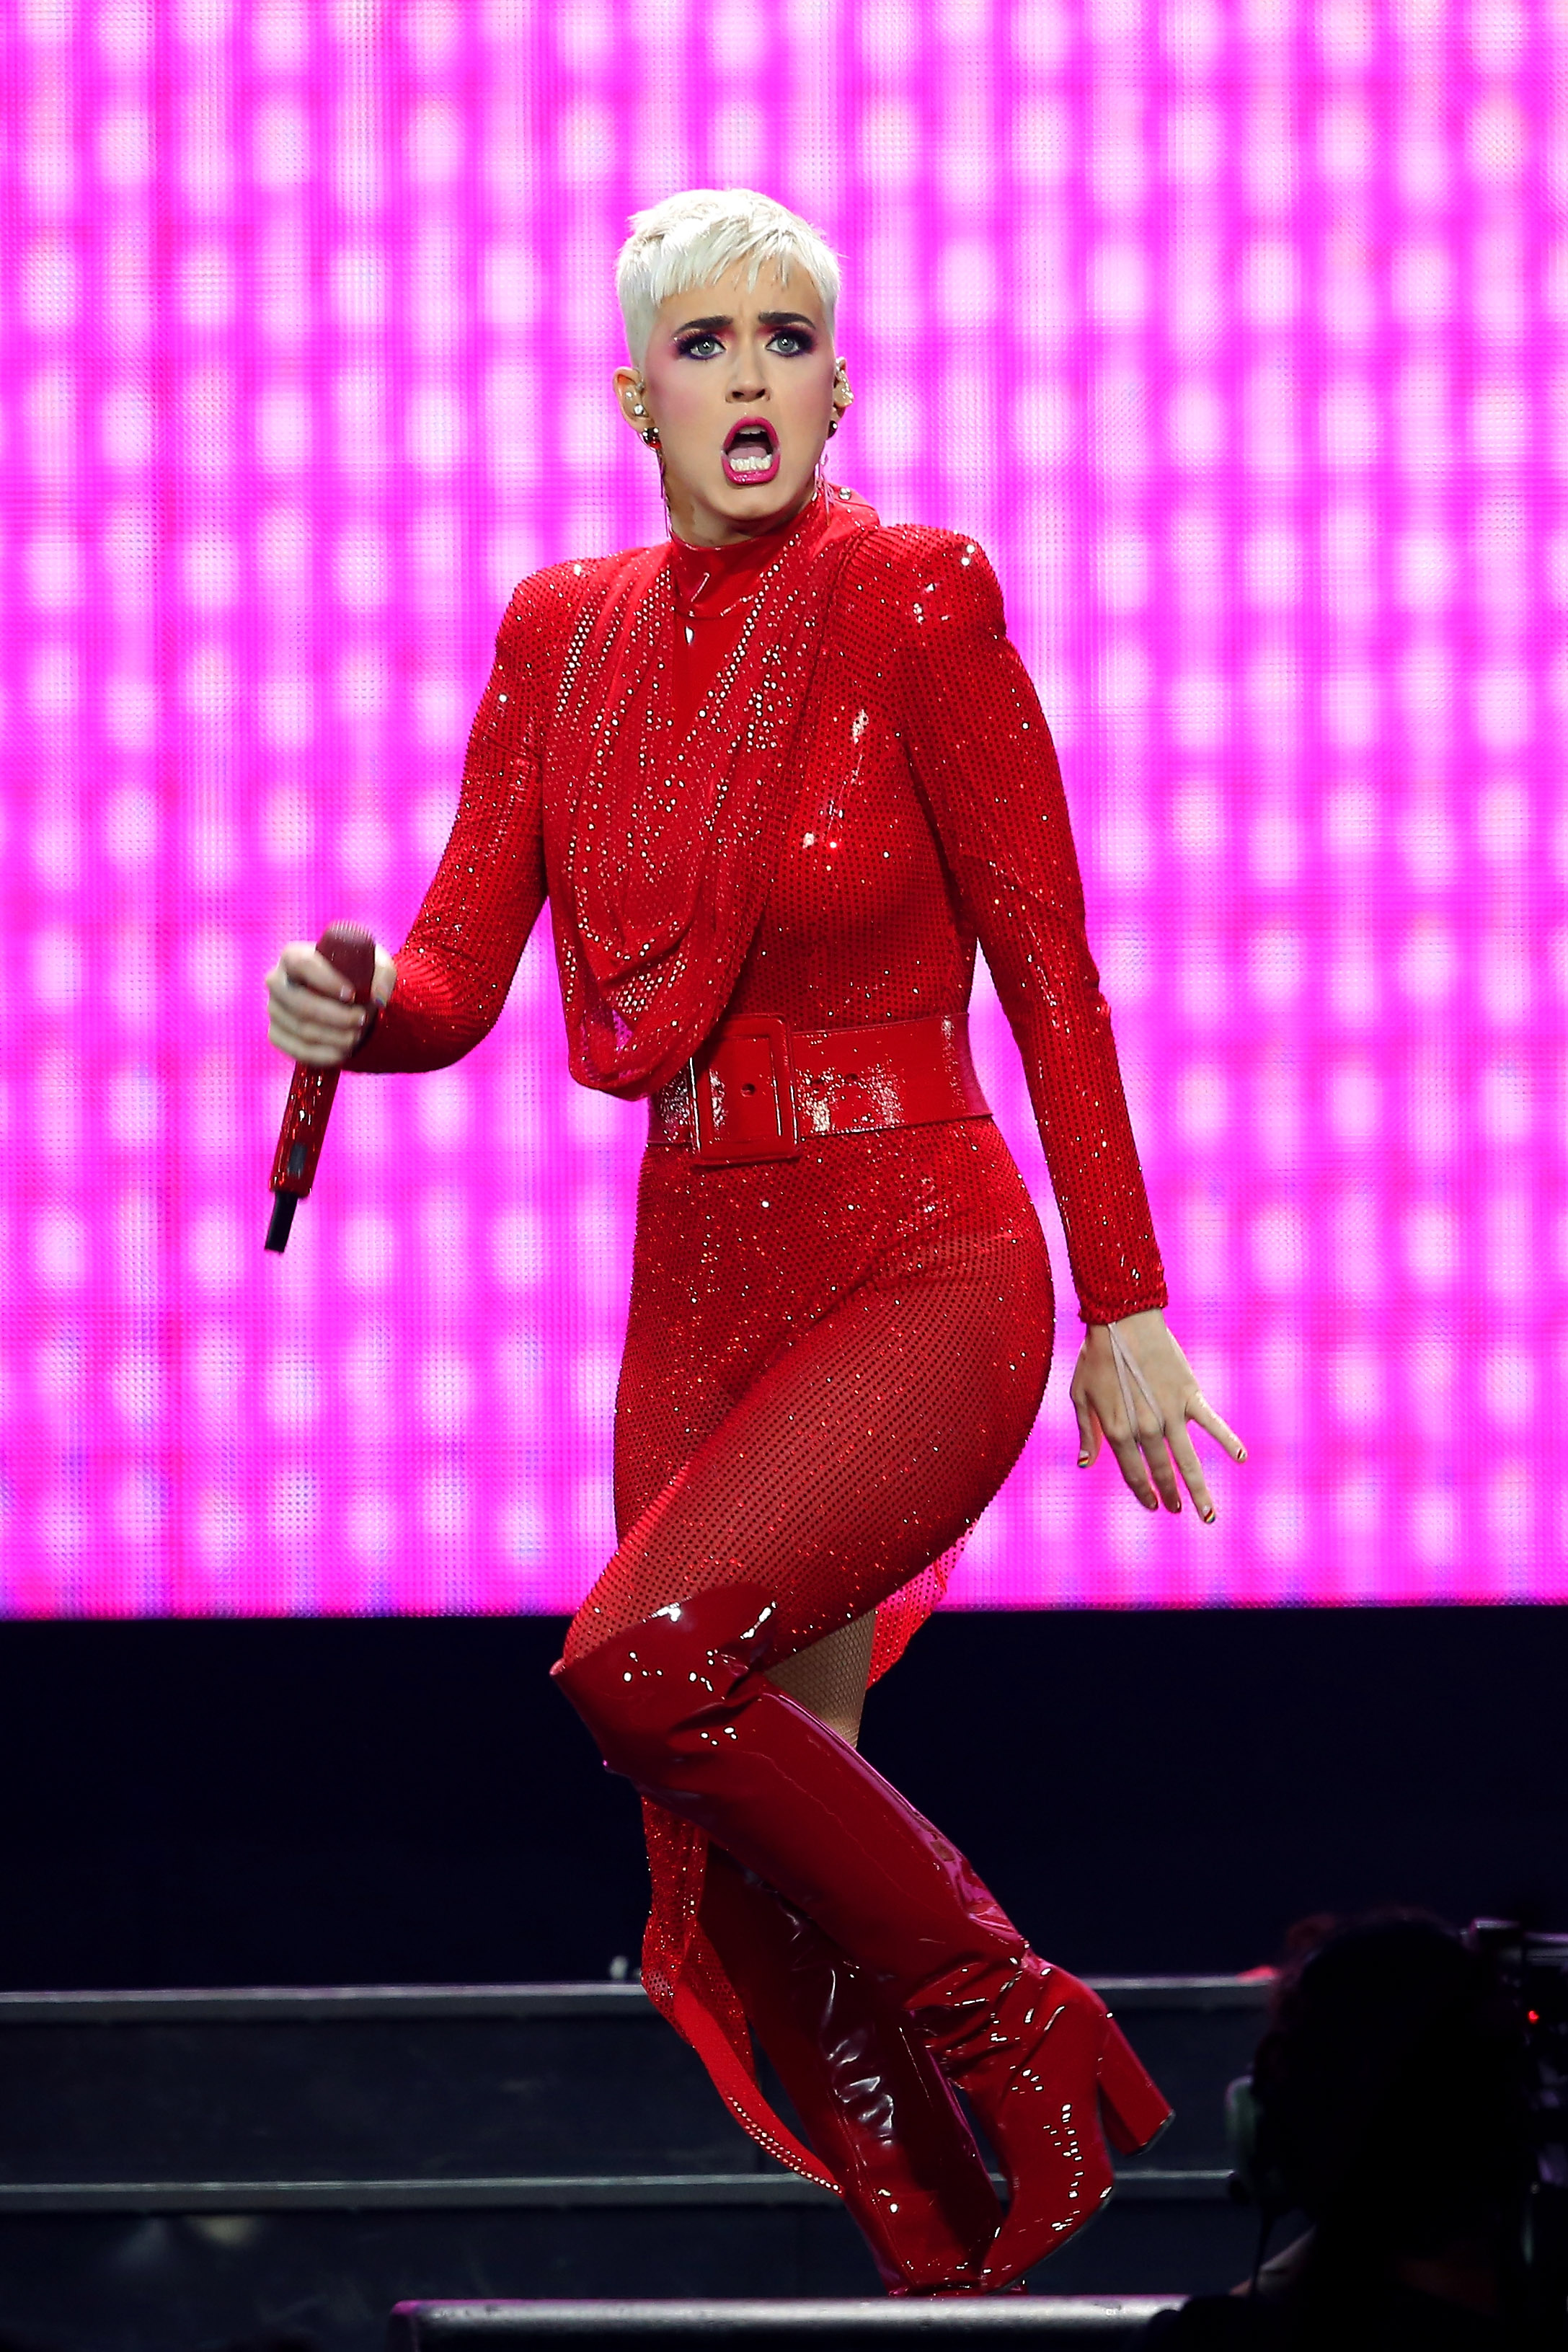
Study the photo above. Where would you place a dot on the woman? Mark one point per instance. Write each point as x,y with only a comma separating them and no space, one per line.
775,776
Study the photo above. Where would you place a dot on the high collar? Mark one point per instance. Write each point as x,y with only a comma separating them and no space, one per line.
709,581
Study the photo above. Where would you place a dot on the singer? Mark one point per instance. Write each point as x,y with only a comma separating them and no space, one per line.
776,775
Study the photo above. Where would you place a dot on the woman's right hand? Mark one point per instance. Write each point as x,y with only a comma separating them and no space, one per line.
310,1016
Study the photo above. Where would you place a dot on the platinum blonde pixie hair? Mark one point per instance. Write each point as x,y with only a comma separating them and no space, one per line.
691,239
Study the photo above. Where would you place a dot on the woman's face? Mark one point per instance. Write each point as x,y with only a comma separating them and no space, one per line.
739,383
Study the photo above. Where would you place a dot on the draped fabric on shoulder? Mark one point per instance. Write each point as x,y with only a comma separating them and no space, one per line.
659,849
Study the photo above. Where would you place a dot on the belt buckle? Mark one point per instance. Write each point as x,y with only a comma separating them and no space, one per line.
743,1093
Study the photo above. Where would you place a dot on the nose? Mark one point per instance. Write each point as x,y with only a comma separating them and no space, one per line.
746,379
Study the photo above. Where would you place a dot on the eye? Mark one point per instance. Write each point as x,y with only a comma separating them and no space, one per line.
790,342
692,348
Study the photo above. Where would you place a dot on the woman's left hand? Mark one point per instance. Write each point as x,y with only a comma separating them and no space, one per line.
1134,1386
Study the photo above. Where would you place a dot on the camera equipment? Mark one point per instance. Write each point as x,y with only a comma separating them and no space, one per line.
1532,1973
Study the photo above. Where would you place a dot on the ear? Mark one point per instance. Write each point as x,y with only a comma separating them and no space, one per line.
629,391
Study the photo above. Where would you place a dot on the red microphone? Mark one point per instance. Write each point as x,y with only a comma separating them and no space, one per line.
351,952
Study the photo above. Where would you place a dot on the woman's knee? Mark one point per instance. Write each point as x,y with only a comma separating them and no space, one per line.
662,1691
627,1709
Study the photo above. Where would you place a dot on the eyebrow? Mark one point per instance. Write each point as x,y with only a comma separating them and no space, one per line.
765,319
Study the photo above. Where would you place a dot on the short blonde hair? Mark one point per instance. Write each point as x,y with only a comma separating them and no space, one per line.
691,239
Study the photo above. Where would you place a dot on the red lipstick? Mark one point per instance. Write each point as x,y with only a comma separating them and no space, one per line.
750,452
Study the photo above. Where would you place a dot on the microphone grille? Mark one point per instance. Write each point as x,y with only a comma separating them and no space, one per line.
349,949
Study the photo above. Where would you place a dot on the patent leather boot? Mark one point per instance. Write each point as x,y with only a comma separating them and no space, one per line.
683,1706
874,2105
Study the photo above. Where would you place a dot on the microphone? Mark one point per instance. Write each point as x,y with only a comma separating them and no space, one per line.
351,952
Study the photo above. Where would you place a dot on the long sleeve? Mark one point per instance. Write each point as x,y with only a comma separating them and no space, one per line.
982,757
458,961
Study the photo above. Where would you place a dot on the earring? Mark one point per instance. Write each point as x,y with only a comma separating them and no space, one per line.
638,409
651,436
832,424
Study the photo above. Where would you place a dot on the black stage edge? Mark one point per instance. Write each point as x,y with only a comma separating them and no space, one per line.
822,2327
369,1802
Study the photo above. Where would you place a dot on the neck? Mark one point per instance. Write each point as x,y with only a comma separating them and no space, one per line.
700,525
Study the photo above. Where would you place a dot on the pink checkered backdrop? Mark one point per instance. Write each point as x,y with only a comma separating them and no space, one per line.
1236,333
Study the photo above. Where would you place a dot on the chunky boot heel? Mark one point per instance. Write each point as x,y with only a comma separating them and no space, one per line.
1134,2111
1030,2063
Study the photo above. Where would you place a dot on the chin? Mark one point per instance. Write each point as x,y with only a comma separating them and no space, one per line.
752,499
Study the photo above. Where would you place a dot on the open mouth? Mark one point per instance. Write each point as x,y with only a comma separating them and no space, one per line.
751,451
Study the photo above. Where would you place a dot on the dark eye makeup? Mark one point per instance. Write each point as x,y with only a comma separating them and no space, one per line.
790,342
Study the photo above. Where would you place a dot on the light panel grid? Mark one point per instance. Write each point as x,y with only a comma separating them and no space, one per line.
1238,337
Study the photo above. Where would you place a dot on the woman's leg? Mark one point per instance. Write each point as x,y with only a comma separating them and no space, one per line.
830,1677
683,1706
669,1404
872,2104
863,1451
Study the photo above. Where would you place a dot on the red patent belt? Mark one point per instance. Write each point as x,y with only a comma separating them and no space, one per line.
759,1089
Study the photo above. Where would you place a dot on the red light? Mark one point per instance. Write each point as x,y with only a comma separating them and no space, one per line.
1532,2016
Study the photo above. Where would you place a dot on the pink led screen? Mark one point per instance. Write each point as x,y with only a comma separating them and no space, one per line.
1235,331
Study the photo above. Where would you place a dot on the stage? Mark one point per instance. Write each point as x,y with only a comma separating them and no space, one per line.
321,1803
188,2168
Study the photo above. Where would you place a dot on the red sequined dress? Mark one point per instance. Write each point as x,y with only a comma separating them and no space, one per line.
799,778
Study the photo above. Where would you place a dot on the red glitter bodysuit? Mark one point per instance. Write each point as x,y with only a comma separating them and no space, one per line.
739,800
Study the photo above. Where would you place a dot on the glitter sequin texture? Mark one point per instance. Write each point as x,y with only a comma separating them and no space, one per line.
831,1362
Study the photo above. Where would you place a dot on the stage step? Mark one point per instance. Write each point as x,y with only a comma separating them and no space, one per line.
1061,2322
181,2168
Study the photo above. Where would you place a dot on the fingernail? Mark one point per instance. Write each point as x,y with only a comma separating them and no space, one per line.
1209,1517
347,994
1084,1462
1151,1503
1242,1455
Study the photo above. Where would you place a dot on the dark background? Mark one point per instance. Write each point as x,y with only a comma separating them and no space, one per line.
409,1801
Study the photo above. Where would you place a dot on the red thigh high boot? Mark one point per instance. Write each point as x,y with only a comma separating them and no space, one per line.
875,2108
682,1706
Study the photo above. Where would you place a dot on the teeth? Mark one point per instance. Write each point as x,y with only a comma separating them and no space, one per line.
749,459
